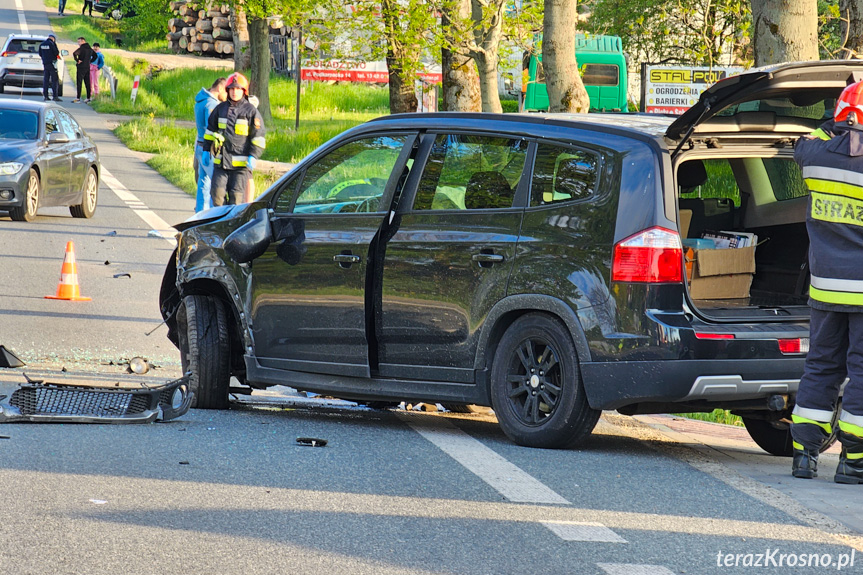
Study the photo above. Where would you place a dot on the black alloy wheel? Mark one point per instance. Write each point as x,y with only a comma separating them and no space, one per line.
536,388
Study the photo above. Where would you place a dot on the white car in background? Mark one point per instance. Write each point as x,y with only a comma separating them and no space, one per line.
21,65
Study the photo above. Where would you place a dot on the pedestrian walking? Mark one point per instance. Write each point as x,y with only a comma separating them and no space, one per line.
205,102
831,159
87,4
50,79
83,56
97,62
234,140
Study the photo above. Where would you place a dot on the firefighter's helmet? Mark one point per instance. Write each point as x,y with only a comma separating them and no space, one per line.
238,80
849,106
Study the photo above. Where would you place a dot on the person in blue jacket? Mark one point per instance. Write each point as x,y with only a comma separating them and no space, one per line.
205,102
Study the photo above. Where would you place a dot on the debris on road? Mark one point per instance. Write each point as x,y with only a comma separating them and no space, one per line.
112,233
155,234
85,401
139,365
312,441
126,275
9,359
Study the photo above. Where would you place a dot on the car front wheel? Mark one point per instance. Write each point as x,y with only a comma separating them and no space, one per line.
26,212
89,197
202,326
536,388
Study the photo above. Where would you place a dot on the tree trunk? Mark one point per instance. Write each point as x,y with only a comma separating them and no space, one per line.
240,30
853,28
566,91
402,93
487,35
784,31
259,80
460,90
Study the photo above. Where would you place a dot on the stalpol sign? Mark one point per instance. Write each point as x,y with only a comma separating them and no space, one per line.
356,71
675,89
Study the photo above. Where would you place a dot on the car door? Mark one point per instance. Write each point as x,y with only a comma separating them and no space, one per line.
309,288
448,261
79,154
56,161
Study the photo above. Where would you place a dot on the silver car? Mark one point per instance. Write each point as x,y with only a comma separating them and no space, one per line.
21,65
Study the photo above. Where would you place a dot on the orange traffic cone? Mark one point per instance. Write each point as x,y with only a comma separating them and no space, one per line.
68,288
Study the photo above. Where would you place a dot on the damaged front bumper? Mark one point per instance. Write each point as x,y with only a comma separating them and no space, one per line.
40,401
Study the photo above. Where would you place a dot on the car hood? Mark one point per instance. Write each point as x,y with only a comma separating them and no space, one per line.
797,85
14,150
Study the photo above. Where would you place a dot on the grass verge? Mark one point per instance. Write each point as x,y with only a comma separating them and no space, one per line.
716,416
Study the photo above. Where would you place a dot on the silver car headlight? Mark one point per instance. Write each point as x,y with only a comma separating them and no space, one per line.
10,168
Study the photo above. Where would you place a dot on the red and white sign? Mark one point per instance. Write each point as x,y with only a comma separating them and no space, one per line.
135,88
356,71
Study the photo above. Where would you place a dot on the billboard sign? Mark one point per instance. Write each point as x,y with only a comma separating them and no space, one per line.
675,89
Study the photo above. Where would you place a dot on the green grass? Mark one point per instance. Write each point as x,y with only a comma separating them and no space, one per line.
716,416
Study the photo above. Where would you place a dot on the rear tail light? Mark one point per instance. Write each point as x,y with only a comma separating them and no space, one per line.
654,255
794,346
8,53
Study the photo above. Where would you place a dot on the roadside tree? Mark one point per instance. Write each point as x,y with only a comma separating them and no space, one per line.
784,30
566,91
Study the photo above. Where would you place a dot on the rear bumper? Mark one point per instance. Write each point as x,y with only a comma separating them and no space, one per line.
614,384
22,78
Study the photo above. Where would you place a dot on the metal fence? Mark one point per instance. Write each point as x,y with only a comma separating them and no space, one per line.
282,54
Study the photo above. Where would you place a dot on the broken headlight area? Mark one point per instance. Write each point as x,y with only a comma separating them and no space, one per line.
42,401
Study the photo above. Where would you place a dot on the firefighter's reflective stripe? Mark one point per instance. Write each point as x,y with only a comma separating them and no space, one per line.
853,420
836,297
259,141
240,163
208,135
223,123
799,420
820,134
836,209
817,416
833,175
828,284
241,127
217,161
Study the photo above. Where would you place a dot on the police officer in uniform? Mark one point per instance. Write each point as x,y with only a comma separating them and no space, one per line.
831,159
234,141
50,54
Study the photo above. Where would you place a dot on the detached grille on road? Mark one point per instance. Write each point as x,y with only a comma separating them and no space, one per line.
38,401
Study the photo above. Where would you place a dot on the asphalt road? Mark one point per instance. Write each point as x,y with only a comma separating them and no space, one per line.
391,492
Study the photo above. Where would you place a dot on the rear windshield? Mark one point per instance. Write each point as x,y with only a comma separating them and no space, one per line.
27,46
18,125
815,105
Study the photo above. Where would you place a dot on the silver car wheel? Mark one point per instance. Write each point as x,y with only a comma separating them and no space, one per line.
32,198
91,192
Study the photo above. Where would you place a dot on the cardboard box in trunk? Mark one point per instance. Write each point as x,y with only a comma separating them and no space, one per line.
720,274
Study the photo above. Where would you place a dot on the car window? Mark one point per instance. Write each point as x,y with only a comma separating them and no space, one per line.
21,46
562,174
349,179
68,125
469,172
51,124
18,125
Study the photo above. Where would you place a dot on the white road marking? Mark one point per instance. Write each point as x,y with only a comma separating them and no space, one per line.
19,5
627,569
140,208
508,479
577,531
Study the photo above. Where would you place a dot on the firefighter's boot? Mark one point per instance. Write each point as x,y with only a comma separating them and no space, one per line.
850,469
808,437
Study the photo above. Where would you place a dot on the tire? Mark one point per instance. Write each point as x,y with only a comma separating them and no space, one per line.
26,212
202,328
774,437
2,87
89,197
546,407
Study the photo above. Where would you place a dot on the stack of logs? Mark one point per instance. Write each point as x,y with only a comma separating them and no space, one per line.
206,29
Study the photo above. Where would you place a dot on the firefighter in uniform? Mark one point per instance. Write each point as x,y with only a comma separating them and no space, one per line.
234,141
831,159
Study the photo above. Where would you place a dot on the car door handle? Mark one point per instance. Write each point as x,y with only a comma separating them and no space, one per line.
346,259
488,258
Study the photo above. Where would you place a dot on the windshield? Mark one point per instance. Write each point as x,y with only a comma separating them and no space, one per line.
18,125
816,104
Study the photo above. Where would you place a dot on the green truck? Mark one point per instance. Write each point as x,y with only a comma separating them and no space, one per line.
602,64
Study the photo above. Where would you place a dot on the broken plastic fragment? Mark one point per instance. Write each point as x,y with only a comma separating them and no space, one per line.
312,441
154,234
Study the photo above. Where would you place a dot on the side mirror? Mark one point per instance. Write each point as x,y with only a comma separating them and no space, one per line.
58,138
250,240
64,52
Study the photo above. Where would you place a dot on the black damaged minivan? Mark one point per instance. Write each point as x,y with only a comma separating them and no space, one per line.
532,263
